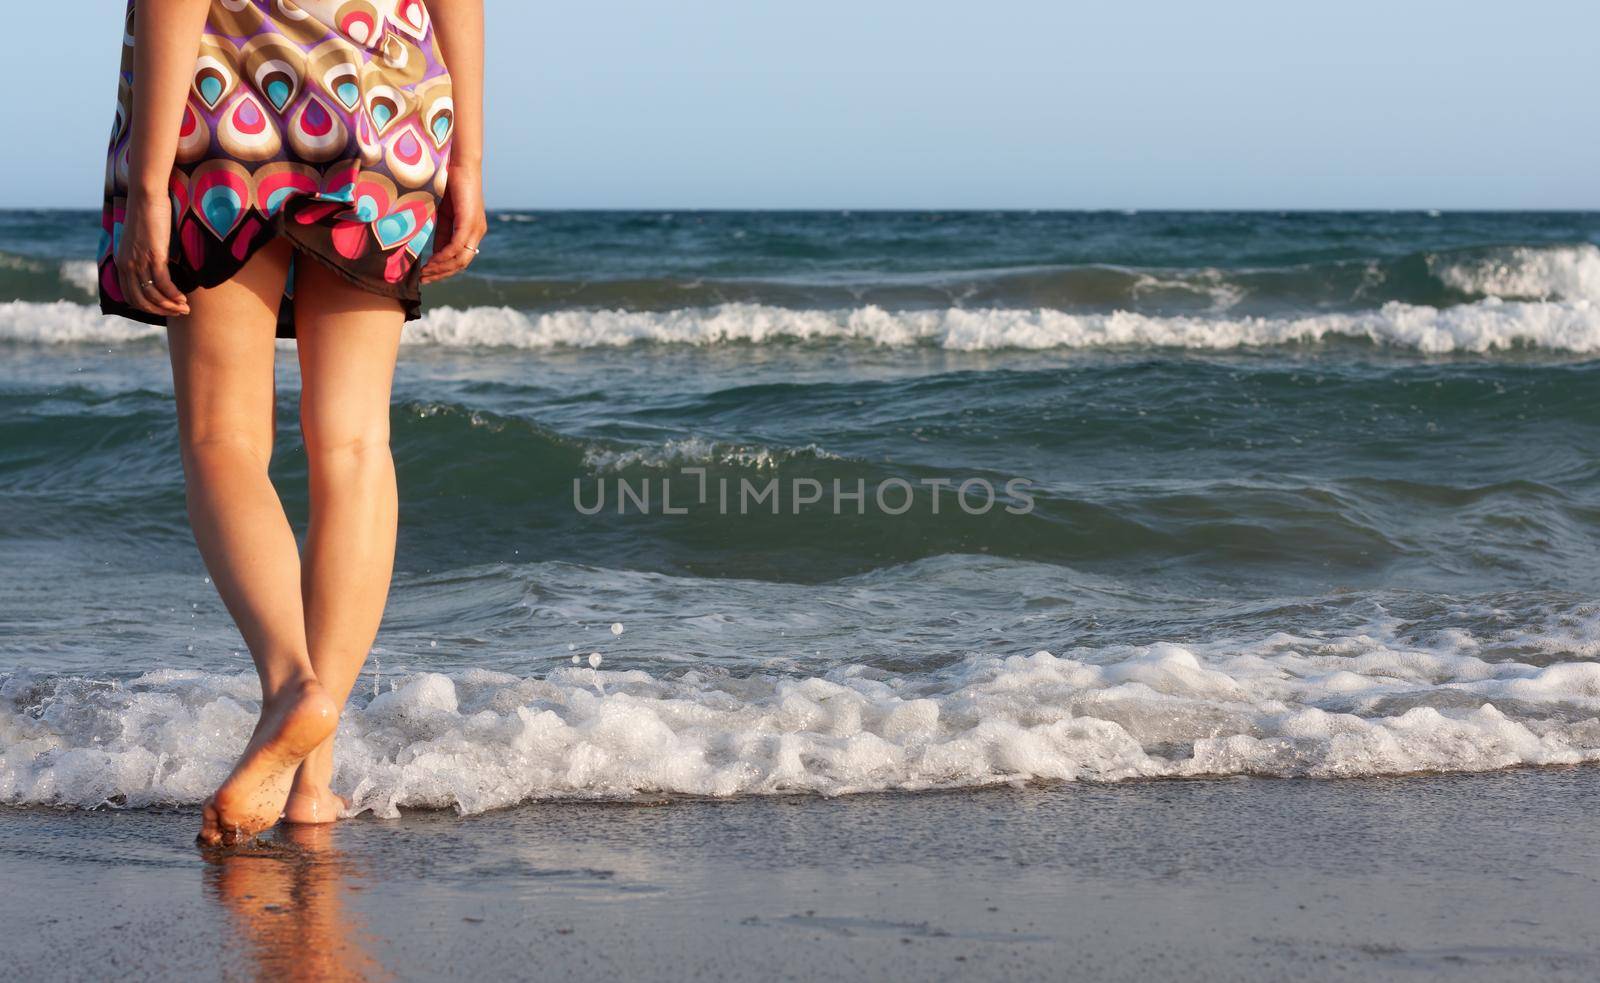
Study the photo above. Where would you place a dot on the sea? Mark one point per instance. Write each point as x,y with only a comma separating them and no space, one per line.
714,504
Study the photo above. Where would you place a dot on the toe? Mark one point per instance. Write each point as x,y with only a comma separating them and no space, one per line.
210,824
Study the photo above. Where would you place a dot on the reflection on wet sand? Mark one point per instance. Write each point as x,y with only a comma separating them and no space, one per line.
287,895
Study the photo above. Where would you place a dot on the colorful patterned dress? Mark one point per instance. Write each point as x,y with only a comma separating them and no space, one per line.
325,121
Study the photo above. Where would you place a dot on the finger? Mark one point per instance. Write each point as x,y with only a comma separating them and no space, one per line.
449,247
448,259
439,259
154,302
452,259
133,291
141,292
448,264
167,290
457,253
469,254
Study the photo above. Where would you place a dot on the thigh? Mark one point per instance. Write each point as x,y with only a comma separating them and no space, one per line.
222,353
348,341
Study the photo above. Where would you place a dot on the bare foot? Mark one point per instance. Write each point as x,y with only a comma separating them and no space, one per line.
314,806
253,796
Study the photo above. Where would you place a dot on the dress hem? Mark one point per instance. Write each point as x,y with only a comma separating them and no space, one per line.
185,279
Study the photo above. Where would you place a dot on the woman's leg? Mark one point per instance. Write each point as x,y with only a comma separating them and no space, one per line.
348,341
222,355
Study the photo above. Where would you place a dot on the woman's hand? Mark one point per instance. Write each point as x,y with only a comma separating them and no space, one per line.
167,35
459,226
141,257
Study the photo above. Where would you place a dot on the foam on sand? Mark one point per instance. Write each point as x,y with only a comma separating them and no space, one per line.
1285,706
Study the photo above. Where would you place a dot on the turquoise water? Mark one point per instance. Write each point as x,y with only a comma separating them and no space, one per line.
1294,494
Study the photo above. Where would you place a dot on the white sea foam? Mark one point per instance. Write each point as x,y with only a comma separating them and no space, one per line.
1572,326
1361,704
1485,326
1525,272
64,322
691,451
82,274
1209,283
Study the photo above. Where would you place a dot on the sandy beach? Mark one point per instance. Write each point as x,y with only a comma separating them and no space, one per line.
1488,876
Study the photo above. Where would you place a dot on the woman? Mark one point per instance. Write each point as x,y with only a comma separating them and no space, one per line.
279,167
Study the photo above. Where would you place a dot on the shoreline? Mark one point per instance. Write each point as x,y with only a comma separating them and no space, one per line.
1478,876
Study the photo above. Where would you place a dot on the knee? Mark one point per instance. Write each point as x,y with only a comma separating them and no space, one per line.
347,449
225,448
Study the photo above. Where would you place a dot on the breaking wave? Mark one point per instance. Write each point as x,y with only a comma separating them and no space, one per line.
1353,705
1482,327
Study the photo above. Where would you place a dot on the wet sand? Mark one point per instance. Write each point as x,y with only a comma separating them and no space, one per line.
1491,877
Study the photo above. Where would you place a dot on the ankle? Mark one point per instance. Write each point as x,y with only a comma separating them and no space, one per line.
315,772
310,789
312,776
290,688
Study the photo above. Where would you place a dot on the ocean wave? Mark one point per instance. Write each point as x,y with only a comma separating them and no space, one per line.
534,443
483,483
1355,705
65,322
1436,278
1572,326
83,274
34,278
1083,287
1425,278
1523,272
1486,326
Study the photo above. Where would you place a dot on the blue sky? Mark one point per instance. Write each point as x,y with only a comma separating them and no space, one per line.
1002,103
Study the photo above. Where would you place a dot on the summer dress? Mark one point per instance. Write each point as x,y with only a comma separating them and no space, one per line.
325,121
